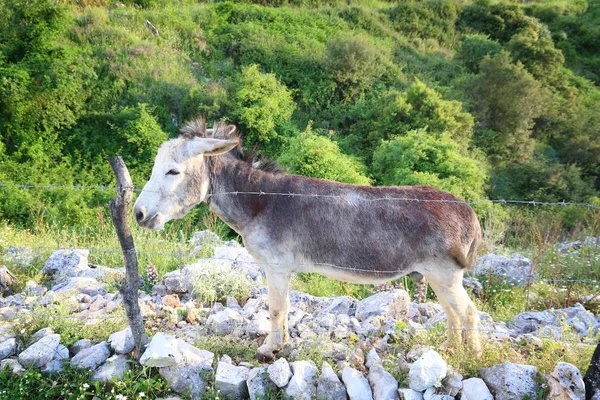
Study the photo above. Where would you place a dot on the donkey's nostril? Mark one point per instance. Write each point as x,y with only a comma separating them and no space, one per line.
139,215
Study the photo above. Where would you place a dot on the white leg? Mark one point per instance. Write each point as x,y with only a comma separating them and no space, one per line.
459,308
279,306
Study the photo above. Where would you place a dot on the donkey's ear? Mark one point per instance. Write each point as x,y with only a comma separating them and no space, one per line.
210,147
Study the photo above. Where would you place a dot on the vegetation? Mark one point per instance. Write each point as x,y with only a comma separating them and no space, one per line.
487,100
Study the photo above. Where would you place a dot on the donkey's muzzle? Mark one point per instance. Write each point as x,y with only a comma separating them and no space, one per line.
140,214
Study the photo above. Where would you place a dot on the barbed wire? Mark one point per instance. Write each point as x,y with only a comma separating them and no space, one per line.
320,196
180,255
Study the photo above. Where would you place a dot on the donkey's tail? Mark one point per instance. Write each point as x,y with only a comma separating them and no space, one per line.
466,253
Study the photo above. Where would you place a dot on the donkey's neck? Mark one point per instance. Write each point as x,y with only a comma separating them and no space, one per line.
231,182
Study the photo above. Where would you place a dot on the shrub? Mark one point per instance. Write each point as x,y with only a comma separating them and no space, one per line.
474,48
216,285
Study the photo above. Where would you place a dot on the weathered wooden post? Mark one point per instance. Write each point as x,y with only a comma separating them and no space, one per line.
592,376
119,211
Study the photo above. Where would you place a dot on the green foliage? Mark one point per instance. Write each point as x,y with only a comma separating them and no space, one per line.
534,48
420,158
318,156
506,99
262,105
499,20
354,62
474,48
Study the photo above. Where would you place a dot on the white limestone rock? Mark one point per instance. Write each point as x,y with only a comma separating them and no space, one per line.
259,383
475,389
224,322
41,352
122,342
329,385
394,304
565,383
92,357
161,352
113,369
509,381
8,348
428,371
280,372
357,385
303,384
230,381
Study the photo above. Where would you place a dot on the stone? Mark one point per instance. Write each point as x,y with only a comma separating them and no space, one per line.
92,357
303,384
475,389
565,383
113,369
394,304
280,372
187,378
52,367
174,282
161,352
224,322
409,394
373,359
8,348
171,300
260,325
259,384
66,263
384,385
329,385
122,342
79,284
511,381
230,381
6,332
62,353
80,345
515,270
13,365
18,256
452,383
160,290
428,371
40,353
340,305
7,314
192,316
357,385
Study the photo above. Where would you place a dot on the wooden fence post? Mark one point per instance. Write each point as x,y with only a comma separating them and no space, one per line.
592,376
119,211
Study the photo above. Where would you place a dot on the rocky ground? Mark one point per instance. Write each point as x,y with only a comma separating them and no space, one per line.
354,335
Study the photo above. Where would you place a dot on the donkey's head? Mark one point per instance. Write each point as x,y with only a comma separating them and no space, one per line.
180,177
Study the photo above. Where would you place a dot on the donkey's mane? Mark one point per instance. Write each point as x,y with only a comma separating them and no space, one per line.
196,127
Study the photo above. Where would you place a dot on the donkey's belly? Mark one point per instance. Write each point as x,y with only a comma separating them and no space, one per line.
356,275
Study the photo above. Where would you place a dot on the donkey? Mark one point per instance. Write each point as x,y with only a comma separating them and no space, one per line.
358,234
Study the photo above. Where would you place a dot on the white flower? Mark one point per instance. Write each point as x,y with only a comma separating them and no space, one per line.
142,394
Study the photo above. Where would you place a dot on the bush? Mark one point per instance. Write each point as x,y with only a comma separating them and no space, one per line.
474,48
419,158
313,155
215,285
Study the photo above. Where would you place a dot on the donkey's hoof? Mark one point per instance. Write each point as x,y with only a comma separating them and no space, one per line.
265,353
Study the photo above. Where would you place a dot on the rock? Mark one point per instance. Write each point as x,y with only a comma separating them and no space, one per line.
373,358
8,348
8,282
394,304
92,357
329,385
409,394
515,270
280,372
340,305
224,322
80,345
427,371
259,383
7,314
475,389
52,367
66,263
302,385
171,300
40,334
122,342
230,381
62,353
357,385
581,320
6,332
383,383
187,378
260,324
161,352
565,383
452,383
18,256
511,381
40,353
160,290
192,316
79,284
13,365
112,370
174,282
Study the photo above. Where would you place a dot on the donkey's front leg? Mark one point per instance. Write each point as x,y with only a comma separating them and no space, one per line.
279,306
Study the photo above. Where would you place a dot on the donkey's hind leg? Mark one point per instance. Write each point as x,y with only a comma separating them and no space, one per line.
460,310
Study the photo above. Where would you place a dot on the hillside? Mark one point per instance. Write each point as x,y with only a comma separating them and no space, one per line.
486,100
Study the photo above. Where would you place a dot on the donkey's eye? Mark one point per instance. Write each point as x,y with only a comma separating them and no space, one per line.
173,172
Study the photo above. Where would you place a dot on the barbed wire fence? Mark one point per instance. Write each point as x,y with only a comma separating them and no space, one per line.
179,255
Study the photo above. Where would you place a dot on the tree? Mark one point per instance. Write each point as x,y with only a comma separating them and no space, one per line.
310,154
474,48
420,158
506,100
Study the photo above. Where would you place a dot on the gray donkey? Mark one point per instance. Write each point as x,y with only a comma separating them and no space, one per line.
358,234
